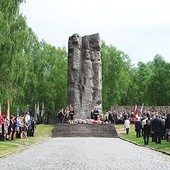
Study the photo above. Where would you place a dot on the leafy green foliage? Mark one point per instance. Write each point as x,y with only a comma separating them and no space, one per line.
33,70
116,76
30,71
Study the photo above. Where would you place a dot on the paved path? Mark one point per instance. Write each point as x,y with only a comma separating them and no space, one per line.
86,154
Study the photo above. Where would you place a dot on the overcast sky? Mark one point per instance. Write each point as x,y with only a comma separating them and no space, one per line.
140,28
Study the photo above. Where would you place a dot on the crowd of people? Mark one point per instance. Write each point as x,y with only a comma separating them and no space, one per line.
65,114
157,127
16,126
154,124
150,124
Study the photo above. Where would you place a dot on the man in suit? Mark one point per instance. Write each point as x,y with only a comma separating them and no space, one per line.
138,127
96,113
146,132
167,127
157,129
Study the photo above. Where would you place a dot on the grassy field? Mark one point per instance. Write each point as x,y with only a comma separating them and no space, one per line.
164,146
42,132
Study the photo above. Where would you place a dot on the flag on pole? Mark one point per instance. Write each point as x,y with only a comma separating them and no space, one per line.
8,110
0,116
0,109
136,111
141,110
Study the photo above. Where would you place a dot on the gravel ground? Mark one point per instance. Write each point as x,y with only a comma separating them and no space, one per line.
86,154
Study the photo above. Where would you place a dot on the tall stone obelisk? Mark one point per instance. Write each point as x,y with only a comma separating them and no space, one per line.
84,74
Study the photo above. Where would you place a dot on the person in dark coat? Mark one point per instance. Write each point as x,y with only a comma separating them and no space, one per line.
3,129
61,116
110,116
14,128
157,129
146,132
167,127
96,113
92,114
138,128
71,113
11,128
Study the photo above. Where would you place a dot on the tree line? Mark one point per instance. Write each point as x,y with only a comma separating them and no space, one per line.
34,71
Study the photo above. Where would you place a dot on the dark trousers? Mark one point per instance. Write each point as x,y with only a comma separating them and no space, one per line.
157,137
2,135
142,132
138,133
60,120
18,134
127,131
95,117
146,139
12,136
167,134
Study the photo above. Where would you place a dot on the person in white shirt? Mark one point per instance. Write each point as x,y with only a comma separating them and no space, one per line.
127,125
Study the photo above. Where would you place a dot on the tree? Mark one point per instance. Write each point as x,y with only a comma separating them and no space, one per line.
159,87
116,76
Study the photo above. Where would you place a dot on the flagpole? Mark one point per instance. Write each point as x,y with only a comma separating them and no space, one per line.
8,110
141,110
136,111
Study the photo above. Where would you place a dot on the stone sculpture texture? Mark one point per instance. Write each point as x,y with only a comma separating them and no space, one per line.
84,74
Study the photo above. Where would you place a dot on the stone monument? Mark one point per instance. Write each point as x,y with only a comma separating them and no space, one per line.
84,74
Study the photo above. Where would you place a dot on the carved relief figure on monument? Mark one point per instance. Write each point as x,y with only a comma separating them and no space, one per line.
74,67
74,41
75,38
85,43
87,65
94,42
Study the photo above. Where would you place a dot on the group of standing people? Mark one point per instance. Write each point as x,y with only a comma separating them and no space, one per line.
156,127
16,127
67,113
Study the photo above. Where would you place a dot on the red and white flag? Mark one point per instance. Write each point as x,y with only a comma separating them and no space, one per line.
0,116
136,111
141,110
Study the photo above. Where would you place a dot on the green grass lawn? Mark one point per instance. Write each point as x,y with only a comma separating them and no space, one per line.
42,132
164,146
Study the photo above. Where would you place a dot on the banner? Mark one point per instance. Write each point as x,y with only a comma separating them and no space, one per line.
35,113
136,111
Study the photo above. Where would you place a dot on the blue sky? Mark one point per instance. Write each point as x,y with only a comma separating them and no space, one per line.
140,28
